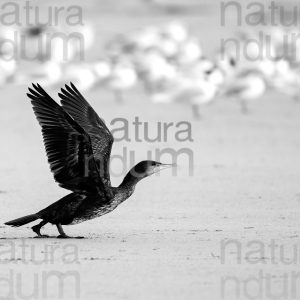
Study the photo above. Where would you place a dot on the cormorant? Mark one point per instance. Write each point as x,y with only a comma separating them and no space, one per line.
78,146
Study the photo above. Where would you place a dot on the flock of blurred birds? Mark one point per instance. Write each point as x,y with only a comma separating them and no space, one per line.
167,61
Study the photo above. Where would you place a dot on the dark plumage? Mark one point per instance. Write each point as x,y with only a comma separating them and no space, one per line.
78,146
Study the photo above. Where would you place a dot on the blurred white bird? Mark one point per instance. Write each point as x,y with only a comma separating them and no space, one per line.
7,70
8,67
70,43
227,63
34,61
189,52
176,31
286,79
35,43
245,87
84,75
194,88
122,77
144,38
155,70
103,69
167,47
46,73
8,64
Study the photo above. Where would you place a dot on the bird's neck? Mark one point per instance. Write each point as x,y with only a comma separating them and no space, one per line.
129,181
126,188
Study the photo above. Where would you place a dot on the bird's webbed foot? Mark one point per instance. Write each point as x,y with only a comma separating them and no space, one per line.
37,229
61,236
41,236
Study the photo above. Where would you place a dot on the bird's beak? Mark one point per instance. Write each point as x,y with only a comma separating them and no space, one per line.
165,166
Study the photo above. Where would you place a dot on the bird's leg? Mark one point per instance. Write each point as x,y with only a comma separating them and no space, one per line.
37,229
244,107
119,97
62,234
196,112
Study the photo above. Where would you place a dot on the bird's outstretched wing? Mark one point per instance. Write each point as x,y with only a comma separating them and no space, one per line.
101,138
67,144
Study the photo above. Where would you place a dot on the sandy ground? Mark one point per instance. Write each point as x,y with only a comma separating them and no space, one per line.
166,241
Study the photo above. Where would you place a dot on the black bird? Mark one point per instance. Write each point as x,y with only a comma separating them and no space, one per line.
78,146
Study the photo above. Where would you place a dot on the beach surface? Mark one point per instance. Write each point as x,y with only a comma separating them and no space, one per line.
203,233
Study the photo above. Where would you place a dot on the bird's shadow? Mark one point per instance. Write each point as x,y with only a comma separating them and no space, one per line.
42,238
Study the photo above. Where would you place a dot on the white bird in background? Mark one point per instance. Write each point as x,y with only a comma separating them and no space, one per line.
195,88
79,40
167,47
167,59
286,79
278,39
248,55
245,80
45,54
35,63
155,71
60,43
46,73
144,38
176,31
227,63
8,67
285,43
84,75
103,69
7,71
245,87
122,77
251,50
8,64
189,52
36,44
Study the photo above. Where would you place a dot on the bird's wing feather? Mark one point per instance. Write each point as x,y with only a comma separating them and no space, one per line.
101,138
68,146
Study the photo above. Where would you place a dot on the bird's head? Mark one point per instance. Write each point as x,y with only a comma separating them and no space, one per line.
142,170
35,31
148,167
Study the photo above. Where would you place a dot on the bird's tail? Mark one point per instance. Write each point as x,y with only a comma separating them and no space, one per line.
22,221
